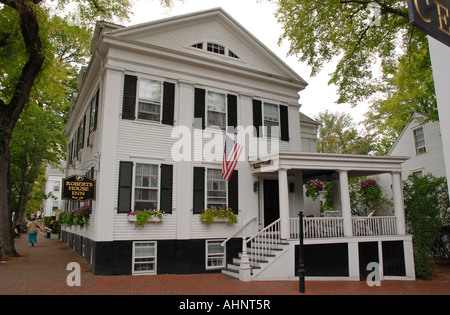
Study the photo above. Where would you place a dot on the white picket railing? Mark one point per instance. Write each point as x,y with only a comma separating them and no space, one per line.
259,246
317,227
334,227
374,226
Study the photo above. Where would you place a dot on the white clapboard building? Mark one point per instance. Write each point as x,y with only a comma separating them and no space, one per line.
149,125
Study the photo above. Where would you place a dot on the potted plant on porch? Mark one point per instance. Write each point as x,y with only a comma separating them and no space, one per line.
215,214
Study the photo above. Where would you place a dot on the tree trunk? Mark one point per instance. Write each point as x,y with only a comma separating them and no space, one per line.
9,113
6,227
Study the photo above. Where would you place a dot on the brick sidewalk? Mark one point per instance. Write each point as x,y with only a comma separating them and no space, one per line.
42,271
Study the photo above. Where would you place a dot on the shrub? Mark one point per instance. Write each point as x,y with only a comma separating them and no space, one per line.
426,202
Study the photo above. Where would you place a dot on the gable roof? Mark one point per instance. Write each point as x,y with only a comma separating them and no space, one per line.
410,120
213,25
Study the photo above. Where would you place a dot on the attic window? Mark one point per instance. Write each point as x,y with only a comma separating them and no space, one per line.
215,48
198,45
232,54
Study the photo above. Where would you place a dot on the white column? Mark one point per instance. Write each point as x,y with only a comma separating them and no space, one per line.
107,133
284,203
345,202
439,53
399,208
183,213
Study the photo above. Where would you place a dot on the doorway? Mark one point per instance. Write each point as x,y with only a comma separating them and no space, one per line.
271,202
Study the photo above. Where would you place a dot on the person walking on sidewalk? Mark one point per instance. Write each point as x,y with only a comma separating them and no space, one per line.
32,231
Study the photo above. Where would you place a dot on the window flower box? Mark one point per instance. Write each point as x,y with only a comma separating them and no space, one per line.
218,215
140,217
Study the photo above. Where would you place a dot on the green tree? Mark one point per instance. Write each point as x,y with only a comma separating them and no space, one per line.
357,33
338,133
26,48
426,204
405,90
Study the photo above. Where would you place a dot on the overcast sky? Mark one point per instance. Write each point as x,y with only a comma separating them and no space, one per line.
258,18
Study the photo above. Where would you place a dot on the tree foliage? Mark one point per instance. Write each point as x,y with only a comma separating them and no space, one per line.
339,134
39,54
378,53
426,204
319,31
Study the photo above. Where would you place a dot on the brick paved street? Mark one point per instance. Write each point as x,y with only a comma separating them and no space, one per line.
42,270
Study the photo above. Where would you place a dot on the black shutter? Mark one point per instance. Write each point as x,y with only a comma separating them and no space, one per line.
199,189
284,122
129,97
233,192
257,117
83,131
125,186
232,112
168,103
96,109
199,106
166,188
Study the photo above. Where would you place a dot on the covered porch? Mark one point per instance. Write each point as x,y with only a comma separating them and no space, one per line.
292,170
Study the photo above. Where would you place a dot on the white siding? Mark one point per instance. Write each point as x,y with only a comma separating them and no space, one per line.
430,162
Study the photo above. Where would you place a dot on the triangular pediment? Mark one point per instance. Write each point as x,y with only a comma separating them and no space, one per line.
211,34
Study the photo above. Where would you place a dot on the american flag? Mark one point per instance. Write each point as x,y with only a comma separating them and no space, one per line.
231,156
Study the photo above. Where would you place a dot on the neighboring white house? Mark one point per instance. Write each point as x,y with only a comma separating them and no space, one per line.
53,188
423,144
149,125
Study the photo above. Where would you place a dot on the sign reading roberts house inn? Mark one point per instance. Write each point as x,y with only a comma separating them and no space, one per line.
432,17
78,188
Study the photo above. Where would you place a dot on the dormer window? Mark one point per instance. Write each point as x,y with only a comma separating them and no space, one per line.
216,48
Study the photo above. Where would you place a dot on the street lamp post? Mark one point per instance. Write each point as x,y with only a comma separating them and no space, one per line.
301,258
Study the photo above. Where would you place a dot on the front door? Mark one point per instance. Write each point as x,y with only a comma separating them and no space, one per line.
271,202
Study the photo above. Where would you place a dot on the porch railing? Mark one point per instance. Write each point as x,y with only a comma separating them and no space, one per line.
374,226
334,227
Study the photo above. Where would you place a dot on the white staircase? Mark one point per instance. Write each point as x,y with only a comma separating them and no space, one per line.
258,252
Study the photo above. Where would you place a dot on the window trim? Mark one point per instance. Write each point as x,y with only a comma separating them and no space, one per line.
208,255
134,187
206,185
207,110
155,271
138,99
424,147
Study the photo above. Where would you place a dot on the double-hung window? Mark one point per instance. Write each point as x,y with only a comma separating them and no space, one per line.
216,189
215,254
271,118
150,100
144,258
217,110
419,139
146,187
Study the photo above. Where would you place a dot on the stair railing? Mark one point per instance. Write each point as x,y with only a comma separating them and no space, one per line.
261,244
238,231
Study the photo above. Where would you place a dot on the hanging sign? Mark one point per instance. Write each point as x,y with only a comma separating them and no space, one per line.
78,188
432,17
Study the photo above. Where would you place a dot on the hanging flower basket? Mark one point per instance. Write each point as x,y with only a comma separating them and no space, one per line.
140,217
218,215
371,190
313,188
